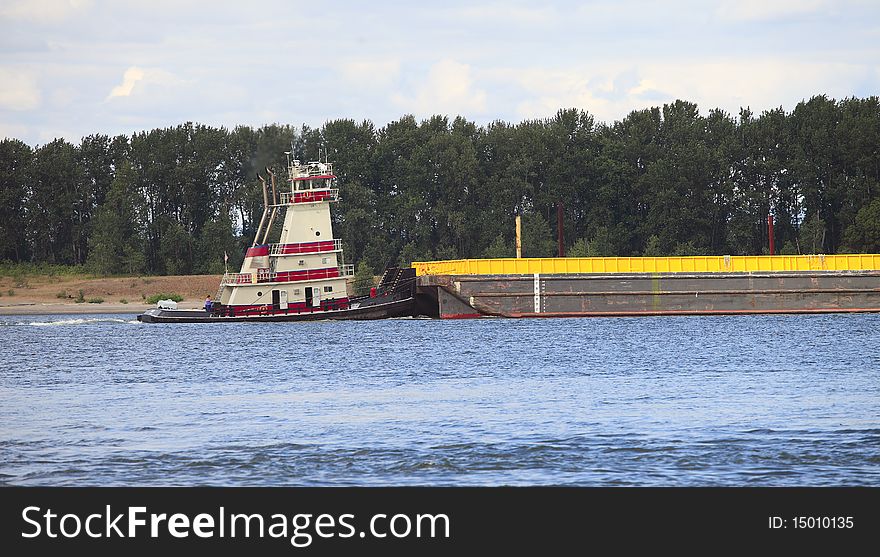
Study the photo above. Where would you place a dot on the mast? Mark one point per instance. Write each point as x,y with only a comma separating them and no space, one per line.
274,206
265,211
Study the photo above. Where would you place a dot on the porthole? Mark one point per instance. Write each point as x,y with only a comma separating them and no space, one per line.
317,232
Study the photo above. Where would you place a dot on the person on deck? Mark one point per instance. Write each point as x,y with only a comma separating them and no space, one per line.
209,305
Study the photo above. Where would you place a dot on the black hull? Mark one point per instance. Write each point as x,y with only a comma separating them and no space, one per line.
366,310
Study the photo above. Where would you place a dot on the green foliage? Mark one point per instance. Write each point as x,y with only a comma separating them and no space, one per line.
499,248
662,180
789,248
537,238
652,247
96,300
445,252
156,297
15,175
812,235
578,249
176,249
602,244
413,252
683,249
215,240
80,298
363,279
23,269
116,243
865,231
123,301
11,292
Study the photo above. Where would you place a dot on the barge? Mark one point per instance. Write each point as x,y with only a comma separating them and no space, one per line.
633,286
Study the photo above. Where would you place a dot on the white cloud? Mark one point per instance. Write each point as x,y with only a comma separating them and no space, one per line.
18,90
131,76
52,133
43,11
125,66
508,12
62,97
448,89
12,131
761,84
137,80
766,10
373,74
727,84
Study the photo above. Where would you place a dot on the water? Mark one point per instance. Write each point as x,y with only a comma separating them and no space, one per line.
667,401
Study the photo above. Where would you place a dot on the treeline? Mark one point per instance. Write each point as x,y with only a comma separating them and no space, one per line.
661,181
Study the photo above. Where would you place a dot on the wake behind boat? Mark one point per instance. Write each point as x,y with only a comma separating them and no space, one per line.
302,277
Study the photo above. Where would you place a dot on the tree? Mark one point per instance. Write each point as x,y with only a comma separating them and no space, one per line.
499,248
864,234
537,238
56,208
363,279
662,180
15,167
176,248
216,241
812,235
116,245
578,249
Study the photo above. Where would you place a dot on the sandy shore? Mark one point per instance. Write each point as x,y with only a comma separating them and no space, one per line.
37,295
43,308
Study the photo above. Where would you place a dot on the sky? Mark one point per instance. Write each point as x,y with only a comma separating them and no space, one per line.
72,68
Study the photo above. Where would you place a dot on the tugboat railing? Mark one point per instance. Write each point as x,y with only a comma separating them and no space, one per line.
308,196
305,249
312,168
235,279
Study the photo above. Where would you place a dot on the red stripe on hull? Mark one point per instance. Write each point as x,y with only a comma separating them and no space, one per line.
292,307
461,315
657,313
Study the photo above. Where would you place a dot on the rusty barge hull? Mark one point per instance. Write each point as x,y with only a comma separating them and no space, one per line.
633,294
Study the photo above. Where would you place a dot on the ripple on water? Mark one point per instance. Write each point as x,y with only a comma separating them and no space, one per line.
617,402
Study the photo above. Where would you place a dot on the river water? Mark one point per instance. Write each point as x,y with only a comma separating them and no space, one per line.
665,401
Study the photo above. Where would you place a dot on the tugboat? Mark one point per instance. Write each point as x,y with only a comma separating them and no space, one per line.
302,277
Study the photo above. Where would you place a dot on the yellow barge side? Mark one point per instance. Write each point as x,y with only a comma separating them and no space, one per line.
631,265
595,286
